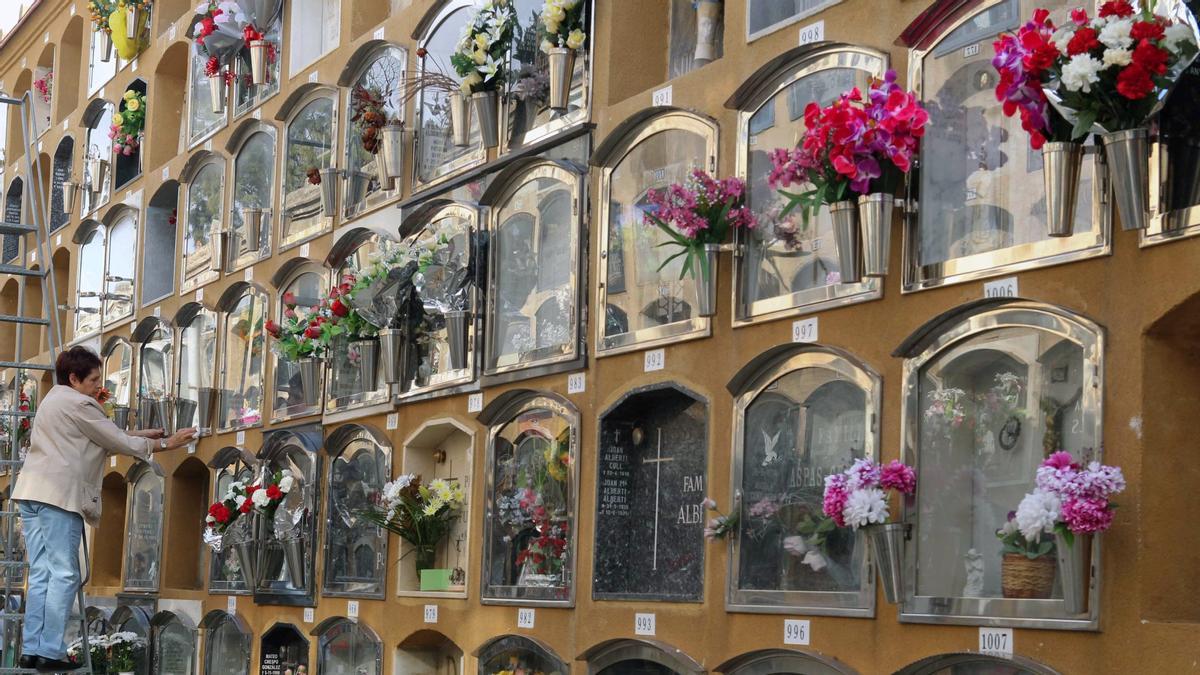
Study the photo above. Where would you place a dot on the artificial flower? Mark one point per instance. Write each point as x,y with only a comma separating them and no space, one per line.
1081,72
866,506
1036,514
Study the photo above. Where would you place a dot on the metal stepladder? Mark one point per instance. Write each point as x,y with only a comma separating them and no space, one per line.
13,566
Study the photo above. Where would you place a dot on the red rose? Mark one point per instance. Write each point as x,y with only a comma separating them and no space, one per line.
1147,30
1119,8
219,512
1084,40
1134,82
312,332
246,506
1079,16
1153,59
274,492
338,308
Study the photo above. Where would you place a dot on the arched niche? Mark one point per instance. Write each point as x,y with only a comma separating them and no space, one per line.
134,619
10,294
254,150
62,289
349,646
376,86
100,71
202,120
226,644
156,362
990,390
441,448
158,270
652,474
120,265
128,167
975,664
196,373
428,652
783,662
43,104
651,657
355,249
533,445
283,646
360,462
143,533
62,170
188,495
529,652
15,147
167,13
89,276
70,65
173,644
204,252
168,108
108,541
97,157
306,283
245,95
310,137
243,309
230,464
117,357
801,413
289,558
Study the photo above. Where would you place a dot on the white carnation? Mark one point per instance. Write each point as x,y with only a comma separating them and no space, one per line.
1037,514
260,498
286,483
1177,35
865,507
795,545
239,500
1117,57
1115,34
1081,72
1062,37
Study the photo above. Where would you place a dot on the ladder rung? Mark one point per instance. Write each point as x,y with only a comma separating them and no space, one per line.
25,366
30,671
32,320
17,413
13,563
12,616
22,271
16,228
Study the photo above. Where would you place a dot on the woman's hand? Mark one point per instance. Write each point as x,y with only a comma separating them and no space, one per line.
178,439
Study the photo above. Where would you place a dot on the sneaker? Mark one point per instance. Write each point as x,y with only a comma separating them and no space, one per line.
45,665
28,661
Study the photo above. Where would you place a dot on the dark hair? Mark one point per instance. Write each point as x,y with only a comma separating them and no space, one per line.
78,361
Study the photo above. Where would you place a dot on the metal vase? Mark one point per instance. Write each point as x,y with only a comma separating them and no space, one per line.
706,284
562,72
486,107
145,413
887,550
120,417
205,405
293,555
106,46
69,190
357,183
390,160
247,555
311,370
368,361
162,414
848,238
708,18
391,350
460,119
258,61
875,213
329,176
217,88
185,412
1128,155
133,20
252,224
1061,163
264,532
457,324
1074,571
216,258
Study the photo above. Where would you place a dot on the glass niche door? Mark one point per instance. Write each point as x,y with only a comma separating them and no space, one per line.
143,530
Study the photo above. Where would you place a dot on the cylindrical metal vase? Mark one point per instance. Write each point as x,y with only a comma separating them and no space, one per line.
1074,570
252,226
486,107
848,238
1061,163
706,283
185,413
247,555
133,20
69,189
875,213
391,153
562,72
293,555
145,413
106,45
162,414
216,261
391,343
887,550
258,61
357,183
120,417
457,324
1127,153
311,370
205,405
217,87
329,183
708,18
460,119
368,361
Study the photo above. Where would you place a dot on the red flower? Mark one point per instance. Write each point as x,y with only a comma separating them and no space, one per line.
249,33
272,328
338,308
1084,40
1147,30
312,332
1079,16
219,512
246,506
1119,8
274,492
289,313
421,52
289,299
1134,82
212,67
1154,59
207,26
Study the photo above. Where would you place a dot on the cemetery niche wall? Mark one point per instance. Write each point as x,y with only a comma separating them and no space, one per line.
287,554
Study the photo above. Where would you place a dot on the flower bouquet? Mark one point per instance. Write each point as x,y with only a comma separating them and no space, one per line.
100,10
97,645
384,294
562,24
481,60
44,86
858,498
420,514
128,124
380,135
722,524
301,339
857,149
126,651
20,438
446,271
341,322
698,217
1070,502
1106,75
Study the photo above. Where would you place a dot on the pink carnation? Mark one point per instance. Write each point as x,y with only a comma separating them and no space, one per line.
836,494
1087,515
895,475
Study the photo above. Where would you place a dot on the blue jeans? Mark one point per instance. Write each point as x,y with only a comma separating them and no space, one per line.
52,538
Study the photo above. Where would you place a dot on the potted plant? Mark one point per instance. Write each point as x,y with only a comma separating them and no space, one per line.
98,649
1027,567
562,24
698,217
299,339
100,10
859,498
125,651
856,150
481,60
420,514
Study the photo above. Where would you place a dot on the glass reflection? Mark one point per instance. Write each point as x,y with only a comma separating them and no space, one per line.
437,154
197,357
174,650
349,649
309,146
97,166
241,389
201,119
227,650
90,283
355,549
204,205
157,363
289,388
143,531
122,258
254,181
514,654
118,373
225,570
375,100
246,94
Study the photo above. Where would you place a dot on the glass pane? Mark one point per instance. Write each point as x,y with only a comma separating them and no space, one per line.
685,31
228,651
992,408
97,169
204,204
434,142
175,650
197,357
529,107
118,373
156,364
355,550
315,29
783,256
289,390
764,15
516,655
254,181
528,551
246,94
375,101
91,282
534,290
122,245
804,426
225,570
433,350
201,118
99,72
348,650
13,204
142,657
984,191
651,297
241,392
309,146
143,532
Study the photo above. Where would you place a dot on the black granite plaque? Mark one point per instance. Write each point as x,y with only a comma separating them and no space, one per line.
652,478
12,214
283,649
62,172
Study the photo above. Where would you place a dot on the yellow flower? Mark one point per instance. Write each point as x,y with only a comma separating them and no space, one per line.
480,57
575,39
129,93
132,104
117,119
481,41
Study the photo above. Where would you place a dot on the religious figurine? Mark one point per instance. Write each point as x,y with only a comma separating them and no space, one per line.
974,564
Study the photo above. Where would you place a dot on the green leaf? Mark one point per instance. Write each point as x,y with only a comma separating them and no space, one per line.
1084,123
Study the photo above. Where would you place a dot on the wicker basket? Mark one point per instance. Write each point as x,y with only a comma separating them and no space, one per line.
1021,577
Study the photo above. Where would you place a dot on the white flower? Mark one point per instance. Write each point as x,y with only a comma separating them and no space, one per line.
865,507
286,483
1081,72
552,27
1036,514
1117,57
489,68
1062,38
575,39
1176,36
815,560
547,45
210,520
239,500
1115,34
260,498
795,545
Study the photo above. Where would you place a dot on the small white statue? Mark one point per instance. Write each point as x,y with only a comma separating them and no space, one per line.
974,564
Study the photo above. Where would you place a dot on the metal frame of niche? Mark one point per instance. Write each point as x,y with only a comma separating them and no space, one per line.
769,81
932,665
413,224
612,153
335,446
496,416
620,650
136,473
143,333
106,352
925,346
182,322
212,622
198,162
287,274
771,661
753,380
231,461
335,623
193,140
89,121
229,301
360,63
495,646
245,132
158,623
511,180
291,108
307,438
944,19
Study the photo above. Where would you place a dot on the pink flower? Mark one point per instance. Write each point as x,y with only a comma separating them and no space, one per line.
1060,460
895,475
836,495
1085,516
127,151
863,474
